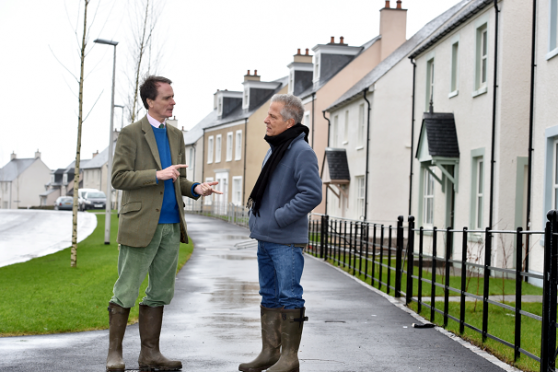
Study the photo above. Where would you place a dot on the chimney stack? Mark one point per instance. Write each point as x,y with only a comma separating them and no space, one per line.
37,154
393,28
387,4
13,156
173,122
254,77
303,58
95,154
399,4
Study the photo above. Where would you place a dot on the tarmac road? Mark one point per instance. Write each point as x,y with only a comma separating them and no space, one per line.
213,322
30,233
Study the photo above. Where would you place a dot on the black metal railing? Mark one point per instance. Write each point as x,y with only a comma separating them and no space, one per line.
404,260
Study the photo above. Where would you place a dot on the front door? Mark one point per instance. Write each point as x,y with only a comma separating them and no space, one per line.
223,186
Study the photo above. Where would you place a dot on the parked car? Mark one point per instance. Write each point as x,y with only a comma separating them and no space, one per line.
81,197
93,200
64,203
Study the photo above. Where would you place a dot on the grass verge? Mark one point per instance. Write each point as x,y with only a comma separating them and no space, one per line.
46,295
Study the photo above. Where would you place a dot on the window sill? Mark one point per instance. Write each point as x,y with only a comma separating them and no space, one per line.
552,54
359,148
453,94
345,143
217,161
236,159
479,91
209,162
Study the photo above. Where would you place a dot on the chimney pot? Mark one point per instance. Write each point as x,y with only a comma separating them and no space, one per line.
255,72
13,156
248,73
298,52
306,51
341,40
387,4
399,4
333,40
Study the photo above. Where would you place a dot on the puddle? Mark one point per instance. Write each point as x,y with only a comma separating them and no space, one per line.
231,291
235,258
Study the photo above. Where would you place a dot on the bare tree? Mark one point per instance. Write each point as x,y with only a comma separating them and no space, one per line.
141,48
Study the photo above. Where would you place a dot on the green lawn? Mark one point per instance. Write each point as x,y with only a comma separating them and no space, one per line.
46,295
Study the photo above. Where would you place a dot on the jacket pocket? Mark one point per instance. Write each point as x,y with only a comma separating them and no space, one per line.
131,207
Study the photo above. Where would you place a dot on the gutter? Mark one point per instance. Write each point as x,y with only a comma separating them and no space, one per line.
531,125
313,96
412,138
328,133
492,161
364,92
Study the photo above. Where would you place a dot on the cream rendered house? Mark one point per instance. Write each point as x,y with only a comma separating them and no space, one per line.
22,181
379,109
452,182
338,66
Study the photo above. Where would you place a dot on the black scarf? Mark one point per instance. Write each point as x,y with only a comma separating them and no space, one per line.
280,143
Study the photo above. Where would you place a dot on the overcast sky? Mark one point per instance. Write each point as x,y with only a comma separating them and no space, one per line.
203,46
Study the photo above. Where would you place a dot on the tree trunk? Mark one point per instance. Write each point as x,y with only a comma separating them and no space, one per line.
78,148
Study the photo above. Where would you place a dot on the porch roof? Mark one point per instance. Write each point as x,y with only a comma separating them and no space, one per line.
441,135
335,167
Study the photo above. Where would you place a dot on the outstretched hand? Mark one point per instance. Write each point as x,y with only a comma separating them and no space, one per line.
171,172
205,189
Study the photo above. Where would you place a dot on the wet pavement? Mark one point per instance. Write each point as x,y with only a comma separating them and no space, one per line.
29,233
213,322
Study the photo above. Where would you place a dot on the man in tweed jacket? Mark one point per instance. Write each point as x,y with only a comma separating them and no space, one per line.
149,166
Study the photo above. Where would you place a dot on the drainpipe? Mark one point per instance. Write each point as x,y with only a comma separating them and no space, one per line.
328,132
245,141
530,149
313,96
412,138
364,93
492,161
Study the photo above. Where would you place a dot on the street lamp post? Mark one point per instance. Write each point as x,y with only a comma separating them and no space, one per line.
108,205
122,115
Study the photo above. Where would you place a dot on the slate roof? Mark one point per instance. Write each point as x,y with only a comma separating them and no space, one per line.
441,134
315,87
194,134
14,168
241,114
338,165
472,8
394,58
97,162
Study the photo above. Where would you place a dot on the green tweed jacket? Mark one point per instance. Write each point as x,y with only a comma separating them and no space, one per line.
136,161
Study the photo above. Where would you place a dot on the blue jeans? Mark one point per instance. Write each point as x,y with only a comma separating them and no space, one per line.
280,269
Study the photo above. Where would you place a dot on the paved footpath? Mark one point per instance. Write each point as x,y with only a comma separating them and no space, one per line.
212,324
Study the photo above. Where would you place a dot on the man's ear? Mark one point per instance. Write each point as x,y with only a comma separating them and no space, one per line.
291,122
149,102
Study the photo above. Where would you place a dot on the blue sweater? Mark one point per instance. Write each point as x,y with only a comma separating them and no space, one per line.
294,190
169,209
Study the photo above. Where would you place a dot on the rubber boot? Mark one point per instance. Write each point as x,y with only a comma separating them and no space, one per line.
150,358
118,319
271,341
292,322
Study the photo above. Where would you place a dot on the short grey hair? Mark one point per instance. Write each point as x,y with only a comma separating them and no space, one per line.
293,108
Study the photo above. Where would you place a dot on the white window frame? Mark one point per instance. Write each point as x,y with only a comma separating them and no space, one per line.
481,60
210,149
317,58
229,154
428,198
208,200
65,179
220,107
307,118
346,128
291,81
430,66
238,145
554,182
361,126
360,196
237,193
190,157
335,131
454,78
218,147
246,98
479,193
552,29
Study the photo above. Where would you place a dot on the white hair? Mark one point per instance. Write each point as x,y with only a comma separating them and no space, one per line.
292,108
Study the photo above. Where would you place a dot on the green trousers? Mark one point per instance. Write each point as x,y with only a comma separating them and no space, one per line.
159,259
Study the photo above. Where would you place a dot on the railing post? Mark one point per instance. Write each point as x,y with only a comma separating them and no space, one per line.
463,281
399,251
380,267
326,241
322,233
548,333
518,285
486,289
449,245
410,260
421,250
433,266
388,269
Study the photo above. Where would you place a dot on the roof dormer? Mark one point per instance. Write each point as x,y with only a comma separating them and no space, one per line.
256,92
301,71
225,102
332,57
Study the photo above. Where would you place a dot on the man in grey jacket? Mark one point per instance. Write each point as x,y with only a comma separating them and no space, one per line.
288,188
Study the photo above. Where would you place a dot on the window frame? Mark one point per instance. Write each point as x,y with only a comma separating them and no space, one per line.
238,145
454,74
552,29
229,148
346,128
234,191
360,196
210,149
428,198
430,69
361,125
208,200
481,57
335,131
218,147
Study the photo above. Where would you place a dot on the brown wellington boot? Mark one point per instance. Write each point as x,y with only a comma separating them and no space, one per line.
150,358
292,322
118,318
271,341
